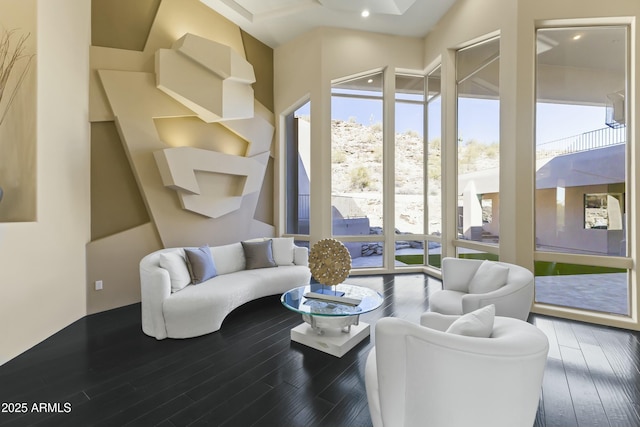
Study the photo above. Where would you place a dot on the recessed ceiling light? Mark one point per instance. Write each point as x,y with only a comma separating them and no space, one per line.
364,13
370,81
577,37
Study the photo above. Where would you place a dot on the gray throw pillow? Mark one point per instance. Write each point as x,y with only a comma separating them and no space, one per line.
258,254
200,263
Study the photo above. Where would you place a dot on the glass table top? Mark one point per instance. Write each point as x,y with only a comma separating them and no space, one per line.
296,301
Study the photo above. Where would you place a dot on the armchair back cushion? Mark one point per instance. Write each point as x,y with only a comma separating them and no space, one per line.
489,276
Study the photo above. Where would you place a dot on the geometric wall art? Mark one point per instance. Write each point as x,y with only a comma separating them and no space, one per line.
194,195
214,81
179,169
199,157
207,77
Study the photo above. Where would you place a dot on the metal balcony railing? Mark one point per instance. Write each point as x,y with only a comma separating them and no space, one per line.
592,140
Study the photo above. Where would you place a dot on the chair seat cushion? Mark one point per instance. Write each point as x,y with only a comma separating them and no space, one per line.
446,302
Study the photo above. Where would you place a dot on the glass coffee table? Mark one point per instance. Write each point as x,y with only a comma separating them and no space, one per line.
331,315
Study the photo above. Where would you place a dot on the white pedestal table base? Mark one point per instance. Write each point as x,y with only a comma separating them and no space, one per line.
335,341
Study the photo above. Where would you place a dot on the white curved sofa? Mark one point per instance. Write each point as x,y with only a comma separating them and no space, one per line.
199,309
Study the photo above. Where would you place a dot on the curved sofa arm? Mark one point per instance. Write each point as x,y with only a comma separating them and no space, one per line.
512,300
300,255
155,287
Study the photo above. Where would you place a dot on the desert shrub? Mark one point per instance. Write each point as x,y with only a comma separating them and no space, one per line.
434,146
338,156
434,170
360,178
492,150
377,154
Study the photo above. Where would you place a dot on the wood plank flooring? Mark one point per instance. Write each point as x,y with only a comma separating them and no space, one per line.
103,371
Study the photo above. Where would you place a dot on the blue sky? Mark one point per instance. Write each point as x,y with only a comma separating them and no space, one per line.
478,118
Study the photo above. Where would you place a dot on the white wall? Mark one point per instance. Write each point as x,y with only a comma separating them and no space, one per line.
43,262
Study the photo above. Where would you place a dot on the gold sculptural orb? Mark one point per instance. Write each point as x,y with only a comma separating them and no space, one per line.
329,262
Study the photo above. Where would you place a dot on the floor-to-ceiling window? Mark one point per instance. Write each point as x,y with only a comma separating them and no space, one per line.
409,156
357,167
478,138
581,169
434,167
298,171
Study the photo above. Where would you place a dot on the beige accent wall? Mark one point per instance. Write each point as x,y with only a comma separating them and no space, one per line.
110,27
119,212
261,56
116,203
115,261
43,262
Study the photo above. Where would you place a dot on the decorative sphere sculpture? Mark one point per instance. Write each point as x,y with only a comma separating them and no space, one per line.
329,262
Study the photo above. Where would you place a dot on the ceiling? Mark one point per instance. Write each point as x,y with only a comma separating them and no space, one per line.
275,22
596,48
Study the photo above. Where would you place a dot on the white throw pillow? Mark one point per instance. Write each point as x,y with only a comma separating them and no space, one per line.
489,277
175,263
478,323
228,258
282,250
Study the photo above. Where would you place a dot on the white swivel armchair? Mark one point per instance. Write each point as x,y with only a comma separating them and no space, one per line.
421,376
512,298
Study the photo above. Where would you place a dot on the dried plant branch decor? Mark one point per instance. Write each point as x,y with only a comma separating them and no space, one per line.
12,58
329,262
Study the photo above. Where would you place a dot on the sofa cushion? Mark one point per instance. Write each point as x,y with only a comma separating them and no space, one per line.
228,258
175,263
198,310
478,323
283,250
278,280
200,264
258,254
489,277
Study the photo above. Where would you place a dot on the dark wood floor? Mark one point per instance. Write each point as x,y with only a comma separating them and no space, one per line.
104,371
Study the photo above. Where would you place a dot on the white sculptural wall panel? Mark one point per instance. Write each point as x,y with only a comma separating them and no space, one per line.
201,194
